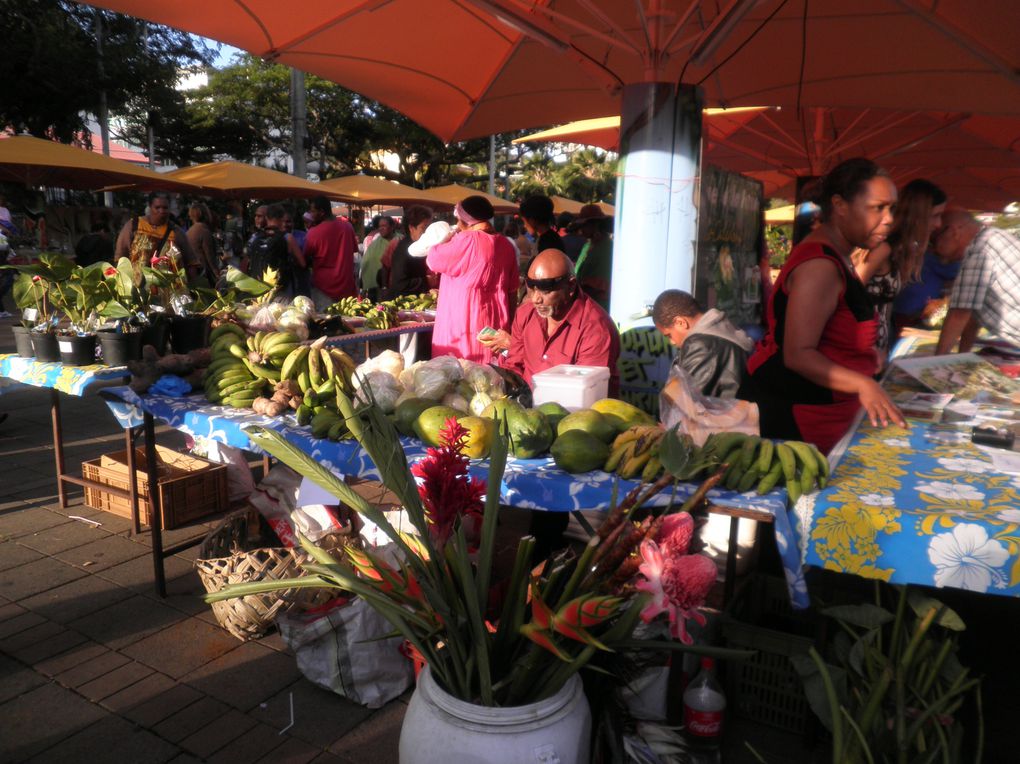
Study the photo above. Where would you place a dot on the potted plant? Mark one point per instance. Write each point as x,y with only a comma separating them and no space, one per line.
511,670
50,268
30,297
126,303
79,296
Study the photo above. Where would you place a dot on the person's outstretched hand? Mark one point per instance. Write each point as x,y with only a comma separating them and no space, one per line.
879,406
496,342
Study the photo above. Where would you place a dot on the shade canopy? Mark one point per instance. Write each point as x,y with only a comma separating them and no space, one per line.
40,162
454,193
975,158
466,68
367,191
238,180
781,215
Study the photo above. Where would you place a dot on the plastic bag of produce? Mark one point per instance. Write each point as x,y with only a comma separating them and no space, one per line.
698,415
380,387
483,379
294,321
437,377
265,318
388,361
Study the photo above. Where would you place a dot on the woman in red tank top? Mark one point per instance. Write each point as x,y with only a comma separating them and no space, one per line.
815,368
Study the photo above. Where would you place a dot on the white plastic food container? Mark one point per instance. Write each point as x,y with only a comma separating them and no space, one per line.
573,387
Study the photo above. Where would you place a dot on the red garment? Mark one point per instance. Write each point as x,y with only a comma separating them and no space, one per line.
790,405
586,337
329,250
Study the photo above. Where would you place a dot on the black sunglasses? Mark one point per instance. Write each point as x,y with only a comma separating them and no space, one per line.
548,285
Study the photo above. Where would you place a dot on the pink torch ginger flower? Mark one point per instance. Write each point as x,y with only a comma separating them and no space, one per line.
678,585
674,536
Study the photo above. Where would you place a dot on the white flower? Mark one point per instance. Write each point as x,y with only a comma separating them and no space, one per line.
951,491
1009,515
966,558
897,442
877,500
965,465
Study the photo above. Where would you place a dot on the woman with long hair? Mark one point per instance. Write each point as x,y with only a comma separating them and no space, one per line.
897,261
815,368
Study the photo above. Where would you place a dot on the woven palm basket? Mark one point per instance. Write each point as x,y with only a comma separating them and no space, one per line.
236,552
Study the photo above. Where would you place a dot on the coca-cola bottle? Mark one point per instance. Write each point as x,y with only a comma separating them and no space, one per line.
704,704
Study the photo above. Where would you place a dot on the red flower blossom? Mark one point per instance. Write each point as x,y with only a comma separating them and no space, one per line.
111,271
678,585
447,491
674,536
37,279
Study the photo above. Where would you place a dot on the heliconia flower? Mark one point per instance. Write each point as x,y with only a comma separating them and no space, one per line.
390,579
111,271
588,611
541,615
675,533
416,545
543,638
678,585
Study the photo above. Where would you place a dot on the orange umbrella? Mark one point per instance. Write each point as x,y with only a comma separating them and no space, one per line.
454,193
240,180
367,191
39,162
976,159
465,68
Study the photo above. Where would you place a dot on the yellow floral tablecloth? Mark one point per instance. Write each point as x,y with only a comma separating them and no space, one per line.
906,508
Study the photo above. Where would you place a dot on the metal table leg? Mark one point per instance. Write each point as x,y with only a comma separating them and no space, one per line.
156,522
129,445
731,560
58,445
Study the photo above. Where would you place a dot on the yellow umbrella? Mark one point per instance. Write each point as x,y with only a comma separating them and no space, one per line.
366,191
454,193
38,162
241,180
780,215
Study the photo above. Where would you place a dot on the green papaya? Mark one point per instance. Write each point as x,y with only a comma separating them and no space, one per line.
407,412
553,411
530,433
429,422
592,422
579,451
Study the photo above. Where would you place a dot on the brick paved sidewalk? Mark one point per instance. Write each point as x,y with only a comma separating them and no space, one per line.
95,667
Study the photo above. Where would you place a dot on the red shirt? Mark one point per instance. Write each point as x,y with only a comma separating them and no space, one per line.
329,249
586,337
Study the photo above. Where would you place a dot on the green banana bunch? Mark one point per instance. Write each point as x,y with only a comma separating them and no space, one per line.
635,453
227,376
381,317
350,306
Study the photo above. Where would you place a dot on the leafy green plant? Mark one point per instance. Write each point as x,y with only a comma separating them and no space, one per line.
554,619
29,293
897,688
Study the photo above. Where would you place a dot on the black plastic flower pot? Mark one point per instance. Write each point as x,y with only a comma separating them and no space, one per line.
77,351
156,333
45,346
120,347
188,333
23,341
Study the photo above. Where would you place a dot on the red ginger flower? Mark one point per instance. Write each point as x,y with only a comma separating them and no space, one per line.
447,491
678,585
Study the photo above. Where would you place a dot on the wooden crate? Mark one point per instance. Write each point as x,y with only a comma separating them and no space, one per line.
189,488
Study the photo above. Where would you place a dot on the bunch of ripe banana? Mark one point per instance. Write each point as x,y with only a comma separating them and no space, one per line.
228,380
635,453
266,352
381,317
319,372
762,464
350,306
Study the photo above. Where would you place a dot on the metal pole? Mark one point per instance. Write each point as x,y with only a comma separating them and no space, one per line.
492,164
152,144
298,121
104,113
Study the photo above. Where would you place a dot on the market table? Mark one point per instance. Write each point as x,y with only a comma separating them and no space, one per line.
374,335
921,506
77,381
527,483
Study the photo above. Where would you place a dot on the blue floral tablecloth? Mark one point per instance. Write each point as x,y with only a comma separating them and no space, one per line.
908,508
73,380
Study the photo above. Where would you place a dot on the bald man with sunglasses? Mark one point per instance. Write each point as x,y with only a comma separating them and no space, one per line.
557,324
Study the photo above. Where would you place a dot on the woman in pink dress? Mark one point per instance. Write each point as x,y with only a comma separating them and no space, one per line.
478,287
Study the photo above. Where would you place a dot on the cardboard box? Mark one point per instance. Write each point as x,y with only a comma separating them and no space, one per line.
189,488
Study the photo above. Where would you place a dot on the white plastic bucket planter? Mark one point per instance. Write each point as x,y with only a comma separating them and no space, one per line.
440,729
